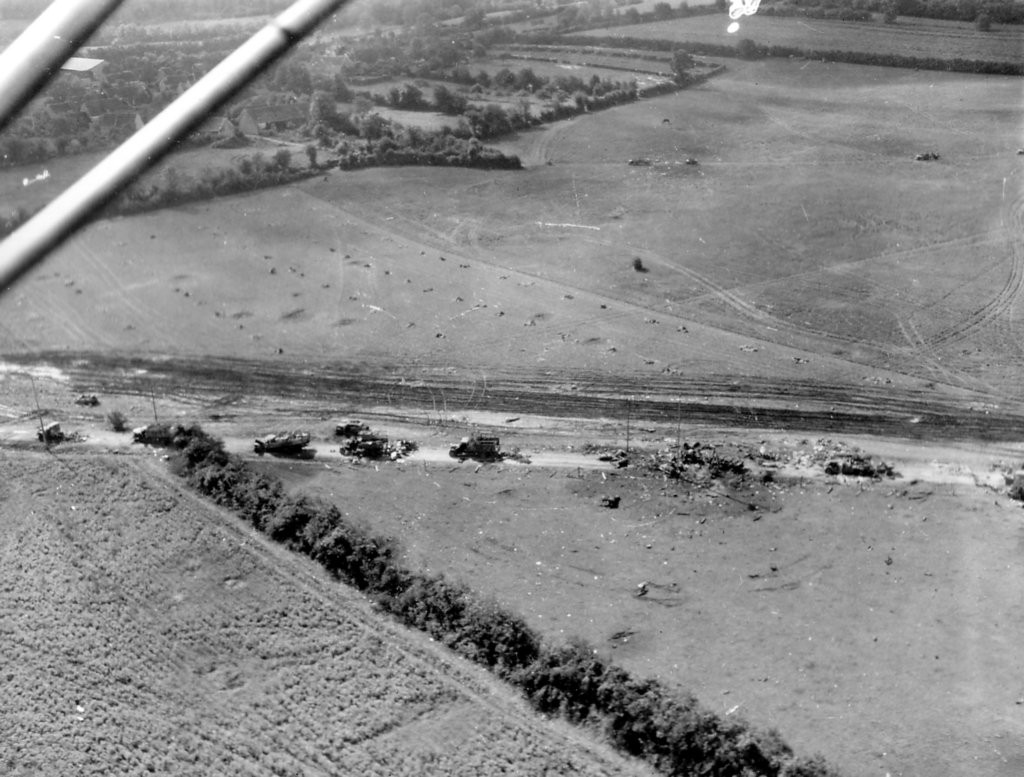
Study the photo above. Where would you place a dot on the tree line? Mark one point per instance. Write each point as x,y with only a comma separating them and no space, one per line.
644,718
998,11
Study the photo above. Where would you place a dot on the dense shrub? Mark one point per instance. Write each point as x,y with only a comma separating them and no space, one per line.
117,420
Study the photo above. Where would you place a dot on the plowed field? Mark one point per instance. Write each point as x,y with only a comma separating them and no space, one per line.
144,631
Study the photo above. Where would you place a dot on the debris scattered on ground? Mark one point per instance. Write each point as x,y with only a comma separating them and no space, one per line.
1016,484
368,445
836,458
88,400
618,457
691,459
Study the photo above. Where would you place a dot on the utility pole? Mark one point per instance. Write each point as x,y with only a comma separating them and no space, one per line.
679,419
39,411
629,410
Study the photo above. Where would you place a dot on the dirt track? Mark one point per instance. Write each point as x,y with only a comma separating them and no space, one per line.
722,401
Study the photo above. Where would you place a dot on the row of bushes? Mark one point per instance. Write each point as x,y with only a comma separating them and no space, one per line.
482,159
747,49
643,718
251,173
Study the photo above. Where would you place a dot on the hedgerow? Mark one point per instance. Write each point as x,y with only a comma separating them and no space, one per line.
642,717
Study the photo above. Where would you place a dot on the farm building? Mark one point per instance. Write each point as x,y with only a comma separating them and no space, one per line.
214,128
272,118
119,125
85,67
104,106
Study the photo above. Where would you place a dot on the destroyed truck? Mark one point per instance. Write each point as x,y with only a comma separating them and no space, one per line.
365,445
350,428
476,447
157,435
51,434
282,444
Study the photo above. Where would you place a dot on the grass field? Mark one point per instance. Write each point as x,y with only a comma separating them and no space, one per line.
659,62
553,70
64,171
871,622
426,120
147,632
910,37
807,230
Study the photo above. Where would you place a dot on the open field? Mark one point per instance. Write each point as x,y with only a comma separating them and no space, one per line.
64,171
553,70
613,59
872,622
911,37
146,631
807,248
426,120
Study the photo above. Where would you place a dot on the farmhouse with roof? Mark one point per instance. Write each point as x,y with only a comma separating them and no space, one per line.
257,119
214,128
113,117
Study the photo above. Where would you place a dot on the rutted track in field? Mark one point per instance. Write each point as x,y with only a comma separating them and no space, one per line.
719,400
101,271
1007,296
285,566
538,152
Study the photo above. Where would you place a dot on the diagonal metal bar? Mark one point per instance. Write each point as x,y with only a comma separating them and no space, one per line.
70,210
36,55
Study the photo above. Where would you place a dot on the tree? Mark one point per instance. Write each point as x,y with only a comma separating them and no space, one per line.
340,89
983,23
526,79
373,126
747,49
322,110
474,18
361,105
505,78
682,63
311,154
447,101
967,10
283,159
662,11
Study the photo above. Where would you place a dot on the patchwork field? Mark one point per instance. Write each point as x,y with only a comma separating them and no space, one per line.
144,631
911,37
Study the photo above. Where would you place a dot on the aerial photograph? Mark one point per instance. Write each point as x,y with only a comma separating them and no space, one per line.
512,387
